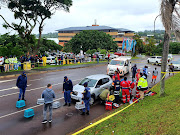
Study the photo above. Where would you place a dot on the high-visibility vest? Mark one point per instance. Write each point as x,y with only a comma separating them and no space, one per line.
142,82
7,61
15,60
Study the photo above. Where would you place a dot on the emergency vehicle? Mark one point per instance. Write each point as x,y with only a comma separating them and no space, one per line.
123,64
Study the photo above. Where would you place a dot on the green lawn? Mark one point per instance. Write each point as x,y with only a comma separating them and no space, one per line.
153,116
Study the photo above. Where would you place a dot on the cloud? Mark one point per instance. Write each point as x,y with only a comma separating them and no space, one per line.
131,14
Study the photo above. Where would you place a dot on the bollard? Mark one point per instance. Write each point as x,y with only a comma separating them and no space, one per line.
20,103
28,113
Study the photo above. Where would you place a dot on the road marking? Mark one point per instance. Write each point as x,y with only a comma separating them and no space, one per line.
32,89
26,109
7,80
36,79
12,88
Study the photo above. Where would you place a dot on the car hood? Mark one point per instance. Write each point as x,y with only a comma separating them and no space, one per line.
78,88
114,67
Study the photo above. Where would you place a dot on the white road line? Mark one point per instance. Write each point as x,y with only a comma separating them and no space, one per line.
36,79
25,109
32,89
12,88
7,80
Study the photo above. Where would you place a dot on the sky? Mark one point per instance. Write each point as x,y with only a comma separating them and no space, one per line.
136,15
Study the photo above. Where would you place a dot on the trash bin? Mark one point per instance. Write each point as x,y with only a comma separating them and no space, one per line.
27,66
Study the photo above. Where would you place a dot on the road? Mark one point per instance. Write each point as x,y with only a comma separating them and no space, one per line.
65,119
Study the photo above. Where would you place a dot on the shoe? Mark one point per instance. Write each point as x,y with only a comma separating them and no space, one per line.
44,121
69,104
83,113
23,99
50,121
87,112
65,104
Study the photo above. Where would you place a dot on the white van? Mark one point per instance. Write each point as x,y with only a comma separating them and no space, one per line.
50,60
123,64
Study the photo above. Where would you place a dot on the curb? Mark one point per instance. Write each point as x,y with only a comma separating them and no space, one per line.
48,71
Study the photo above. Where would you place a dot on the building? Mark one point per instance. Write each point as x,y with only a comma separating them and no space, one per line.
118,34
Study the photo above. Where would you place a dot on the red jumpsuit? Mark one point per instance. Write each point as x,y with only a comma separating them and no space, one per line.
125,91
118,77
137,79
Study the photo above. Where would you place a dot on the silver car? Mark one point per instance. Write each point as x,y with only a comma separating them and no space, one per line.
97,83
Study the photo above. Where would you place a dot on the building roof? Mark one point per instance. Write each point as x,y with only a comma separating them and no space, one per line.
94,28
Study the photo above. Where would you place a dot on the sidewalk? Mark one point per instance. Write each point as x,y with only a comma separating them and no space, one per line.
52,69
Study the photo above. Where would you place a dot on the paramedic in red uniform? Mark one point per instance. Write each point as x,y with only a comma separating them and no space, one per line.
125,90
137,79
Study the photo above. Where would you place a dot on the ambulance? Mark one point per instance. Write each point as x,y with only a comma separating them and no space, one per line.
122,63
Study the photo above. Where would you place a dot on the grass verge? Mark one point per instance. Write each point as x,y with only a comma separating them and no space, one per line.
153,116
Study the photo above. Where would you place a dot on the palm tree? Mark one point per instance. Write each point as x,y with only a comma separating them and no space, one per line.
170,16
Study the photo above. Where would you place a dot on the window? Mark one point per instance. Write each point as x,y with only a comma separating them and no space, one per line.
105,80
159,57
153,57
91,82
116,62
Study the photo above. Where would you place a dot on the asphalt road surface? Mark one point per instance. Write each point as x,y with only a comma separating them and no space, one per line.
65,119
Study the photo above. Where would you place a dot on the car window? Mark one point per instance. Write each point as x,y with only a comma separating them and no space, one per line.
159,57
53,58
105,80
153,57
117,62
99,83
48,59
91,82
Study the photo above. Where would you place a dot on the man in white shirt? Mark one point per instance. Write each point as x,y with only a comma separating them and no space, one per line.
1,63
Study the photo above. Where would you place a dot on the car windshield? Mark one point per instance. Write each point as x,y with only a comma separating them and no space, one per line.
175,62
91,82
117,62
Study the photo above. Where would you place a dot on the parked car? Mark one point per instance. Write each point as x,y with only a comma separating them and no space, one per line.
155,59
119,54
112,56
176,65
123,64
97,83
50,60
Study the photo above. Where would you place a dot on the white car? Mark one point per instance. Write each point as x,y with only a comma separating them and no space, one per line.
155,59
176,65
97,83
50,60
112,56
123,64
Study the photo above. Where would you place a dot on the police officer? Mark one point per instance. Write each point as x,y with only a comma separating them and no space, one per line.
67,90
116,84
86,99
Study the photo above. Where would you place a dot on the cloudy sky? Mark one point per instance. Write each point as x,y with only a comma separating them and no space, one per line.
137,15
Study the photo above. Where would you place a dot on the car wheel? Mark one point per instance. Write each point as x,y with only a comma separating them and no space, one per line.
148,61
49,63
157,63
123,73
91,102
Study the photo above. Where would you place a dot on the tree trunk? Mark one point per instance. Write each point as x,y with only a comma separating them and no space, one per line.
164,61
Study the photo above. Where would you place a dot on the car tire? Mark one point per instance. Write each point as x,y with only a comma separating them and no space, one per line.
123,74
91,102
148,61
157,63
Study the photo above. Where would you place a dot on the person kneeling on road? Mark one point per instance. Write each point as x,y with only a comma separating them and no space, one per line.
67,90
103,96
48,95
142,85
86,99
116,90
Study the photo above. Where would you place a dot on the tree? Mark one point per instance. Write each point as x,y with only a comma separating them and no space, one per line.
139,48
170,19
31,12
91,39
150,46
